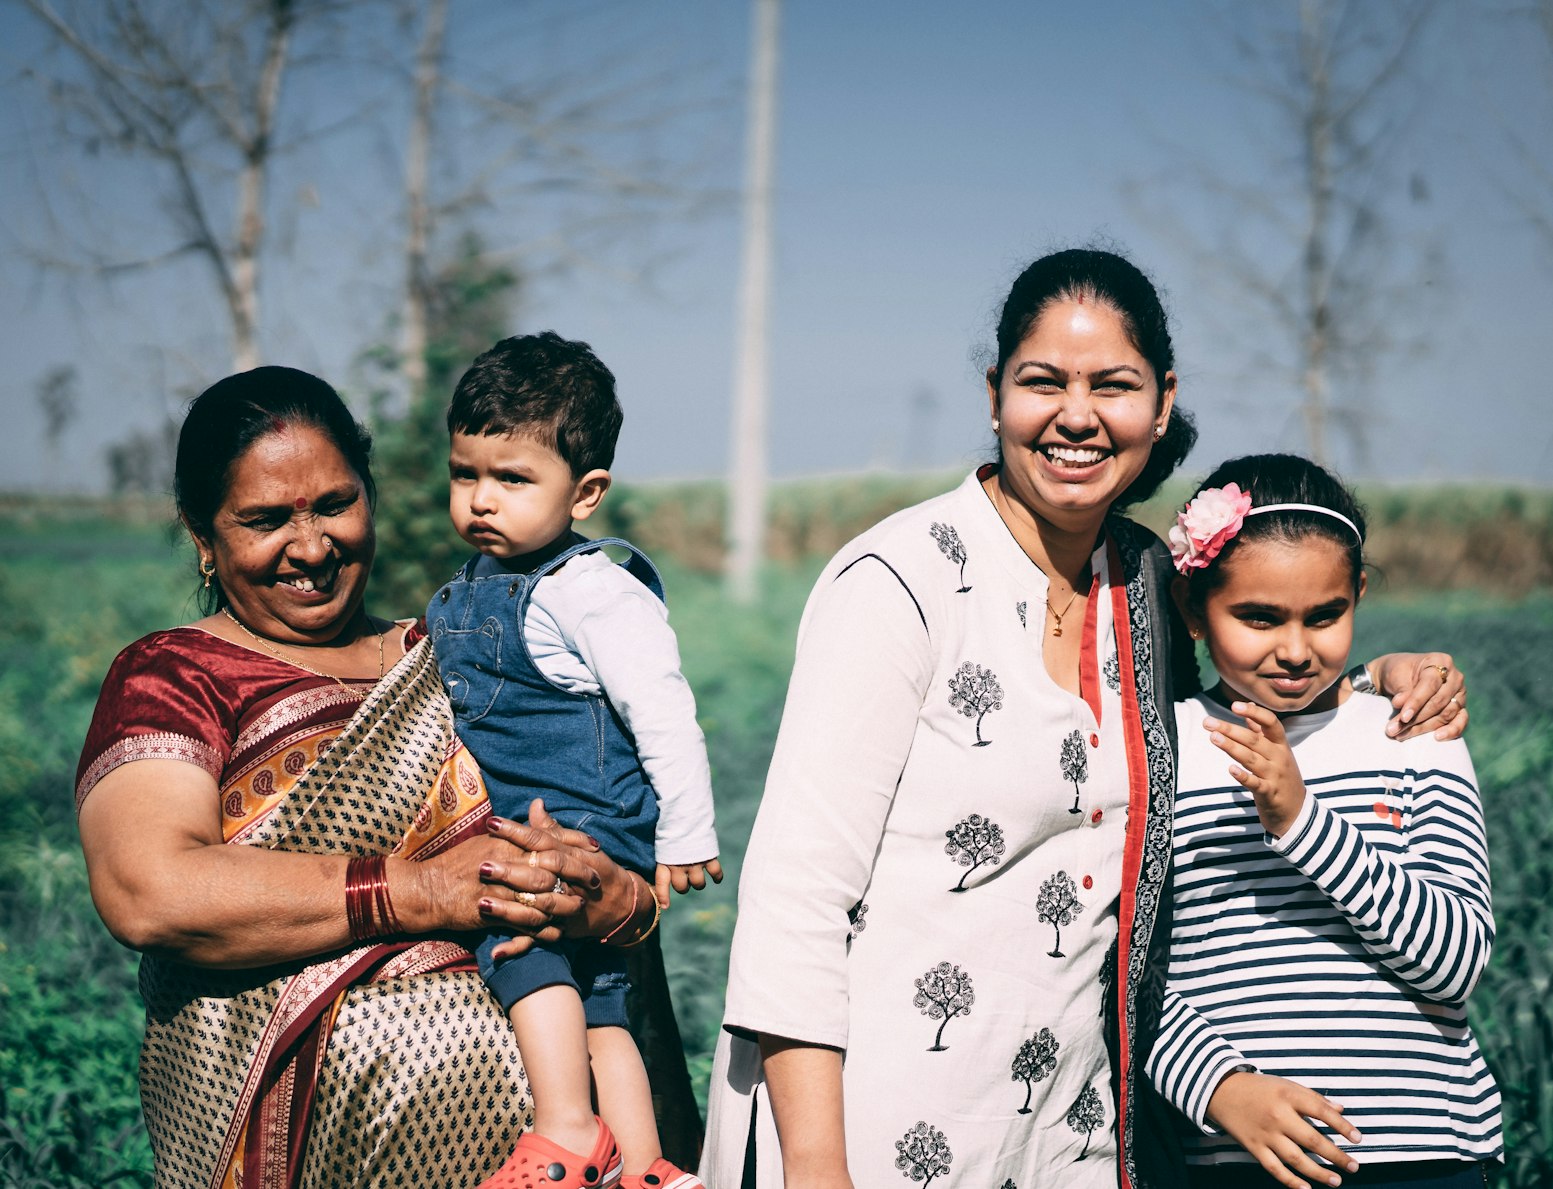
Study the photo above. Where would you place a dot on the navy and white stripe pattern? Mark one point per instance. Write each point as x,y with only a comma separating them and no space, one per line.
1341,955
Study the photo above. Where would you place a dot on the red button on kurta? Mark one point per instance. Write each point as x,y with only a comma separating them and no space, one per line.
1096,816
1094,741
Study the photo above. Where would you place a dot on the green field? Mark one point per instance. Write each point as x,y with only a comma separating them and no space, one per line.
79,586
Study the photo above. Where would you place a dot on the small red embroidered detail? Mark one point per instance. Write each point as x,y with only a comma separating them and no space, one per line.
1386,813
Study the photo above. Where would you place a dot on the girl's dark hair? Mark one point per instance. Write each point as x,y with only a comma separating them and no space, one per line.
232,414
1282,479
1093,274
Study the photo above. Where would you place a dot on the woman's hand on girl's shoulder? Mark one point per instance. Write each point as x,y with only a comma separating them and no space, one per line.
1427,690
1271,1117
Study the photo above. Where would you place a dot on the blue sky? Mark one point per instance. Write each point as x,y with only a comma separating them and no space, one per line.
926,152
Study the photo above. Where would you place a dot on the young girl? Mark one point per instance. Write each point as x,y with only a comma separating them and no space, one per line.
1331,885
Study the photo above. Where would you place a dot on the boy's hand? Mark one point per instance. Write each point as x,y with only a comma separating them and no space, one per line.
1266,766
1269,1117
684,876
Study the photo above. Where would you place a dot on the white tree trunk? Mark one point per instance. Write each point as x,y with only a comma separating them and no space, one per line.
243,293
1316,263
428,78
747,480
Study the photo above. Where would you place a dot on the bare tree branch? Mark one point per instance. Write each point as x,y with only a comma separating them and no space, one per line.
1306,245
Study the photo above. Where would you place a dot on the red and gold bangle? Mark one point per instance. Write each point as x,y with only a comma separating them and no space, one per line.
657,912
368,909
626,920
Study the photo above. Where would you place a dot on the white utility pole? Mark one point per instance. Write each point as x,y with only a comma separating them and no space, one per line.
747,474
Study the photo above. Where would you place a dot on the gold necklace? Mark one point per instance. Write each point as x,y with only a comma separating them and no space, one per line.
1056,614
280,656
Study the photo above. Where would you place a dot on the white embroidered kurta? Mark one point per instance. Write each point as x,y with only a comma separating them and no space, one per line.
932,881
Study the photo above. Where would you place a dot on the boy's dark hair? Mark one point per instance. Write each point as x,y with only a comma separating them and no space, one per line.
544,387
1282,479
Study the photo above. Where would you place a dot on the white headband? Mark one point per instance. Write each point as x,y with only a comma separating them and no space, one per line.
1309,508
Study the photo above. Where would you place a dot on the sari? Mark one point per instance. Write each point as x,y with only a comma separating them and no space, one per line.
383,1064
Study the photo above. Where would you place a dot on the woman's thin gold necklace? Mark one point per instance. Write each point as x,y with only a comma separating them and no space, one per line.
1056,614
280,656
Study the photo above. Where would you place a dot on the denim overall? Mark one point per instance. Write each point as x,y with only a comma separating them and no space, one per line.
532,739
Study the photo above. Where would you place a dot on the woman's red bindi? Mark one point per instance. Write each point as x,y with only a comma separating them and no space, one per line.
301,503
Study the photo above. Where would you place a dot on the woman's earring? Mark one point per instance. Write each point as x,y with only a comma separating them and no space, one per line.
1159,432
995,424
207,574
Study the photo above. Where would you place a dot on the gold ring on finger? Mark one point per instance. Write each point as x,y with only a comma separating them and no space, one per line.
526,899
1445,673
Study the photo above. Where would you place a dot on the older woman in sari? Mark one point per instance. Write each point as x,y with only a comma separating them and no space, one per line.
275,809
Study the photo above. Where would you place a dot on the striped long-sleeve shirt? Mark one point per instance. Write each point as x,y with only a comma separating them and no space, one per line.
1341,954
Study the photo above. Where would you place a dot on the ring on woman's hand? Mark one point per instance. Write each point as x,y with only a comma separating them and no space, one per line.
526,899
1454,701
1445,672
560,885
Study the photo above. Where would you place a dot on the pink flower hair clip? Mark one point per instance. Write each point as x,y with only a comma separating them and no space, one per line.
1207,524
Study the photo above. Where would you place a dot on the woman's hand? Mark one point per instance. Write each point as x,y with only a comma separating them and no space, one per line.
1270,1118
545,880
1266,767
1428,691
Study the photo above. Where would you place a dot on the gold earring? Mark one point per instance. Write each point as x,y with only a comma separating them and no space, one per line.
207,574
995,424
1159,432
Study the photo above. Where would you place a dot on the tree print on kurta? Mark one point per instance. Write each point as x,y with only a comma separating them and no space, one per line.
943,993
923,1154
1057,905
857,920
974,842
1022,607
1113,672
1086,1116
1075,764
1036,1058
950,546
975,693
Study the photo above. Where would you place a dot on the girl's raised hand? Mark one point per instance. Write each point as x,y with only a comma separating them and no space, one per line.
1264,764
1270,1118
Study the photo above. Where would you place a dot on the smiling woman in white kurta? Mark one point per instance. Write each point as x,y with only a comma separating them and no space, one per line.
948,908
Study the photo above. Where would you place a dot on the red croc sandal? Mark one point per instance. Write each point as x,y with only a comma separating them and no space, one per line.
539,1163
662,1175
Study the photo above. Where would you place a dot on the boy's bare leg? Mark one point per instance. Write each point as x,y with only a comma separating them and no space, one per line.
553,1042
625,1097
